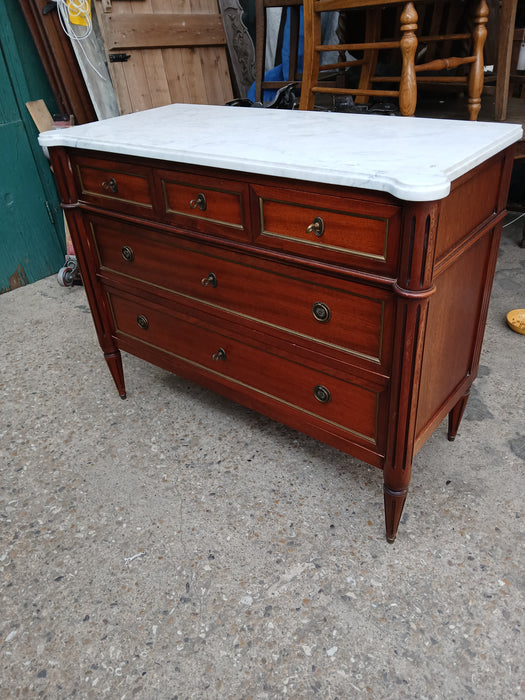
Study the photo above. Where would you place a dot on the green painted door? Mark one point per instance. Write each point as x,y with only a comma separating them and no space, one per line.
31,224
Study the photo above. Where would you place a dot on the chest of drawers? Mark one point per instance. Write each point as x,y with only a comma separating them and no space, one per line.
346,304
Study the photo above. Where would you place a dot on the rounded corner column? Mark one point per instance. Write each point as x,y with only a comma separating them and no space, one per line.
413,289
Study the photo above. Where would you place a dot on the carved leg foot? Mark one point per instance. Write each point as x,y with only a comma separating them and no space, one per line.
114,361
474,108
394,502
455,416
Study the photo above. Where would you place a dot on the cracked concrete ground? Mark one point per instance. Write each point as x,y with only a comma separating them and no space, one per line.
176,545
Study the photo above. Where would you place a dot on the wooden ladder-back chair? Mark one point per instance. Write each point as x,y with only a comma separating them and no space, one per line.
406,43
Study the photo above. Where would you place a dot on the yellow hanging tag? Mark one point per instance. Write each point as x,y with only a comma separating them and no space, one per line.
79,12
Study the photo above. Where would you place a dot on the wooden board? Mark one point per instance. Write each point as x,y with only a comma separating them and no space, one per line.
161,30
171,64
40,115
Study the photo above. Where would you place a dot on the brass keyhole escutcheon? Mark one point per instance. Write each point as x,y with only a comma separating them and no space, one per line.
199,201
110,185
316,227
322,394
128,254
209,281
219,355
321,312
143,322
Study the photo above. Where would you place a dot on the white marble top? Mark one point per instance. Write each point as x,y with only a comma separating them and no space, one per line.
411,158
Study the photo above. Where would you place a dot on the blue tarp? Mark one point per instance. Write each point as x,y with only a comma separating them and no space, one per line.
281,71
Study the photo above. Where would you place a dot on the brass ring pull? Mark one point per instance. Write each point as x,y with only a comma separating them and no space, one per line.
128,254
321,312
209,281
143,322
110,184
219,355
322,394
199,201
316,227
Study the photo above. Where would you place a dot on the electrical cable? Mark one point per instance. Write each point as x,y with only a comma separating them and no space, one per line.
514,220
81,9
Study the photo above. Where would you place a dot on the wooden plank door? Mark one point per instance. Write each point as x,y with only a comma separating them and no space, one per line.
32,241
175,49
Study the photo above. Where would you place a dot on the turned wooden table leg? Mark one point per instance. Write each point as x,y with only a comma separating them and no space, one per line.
455,416
476,77
408,84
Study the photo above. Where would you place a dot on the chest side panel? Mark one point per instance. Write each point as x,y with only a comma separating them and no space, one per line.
466,251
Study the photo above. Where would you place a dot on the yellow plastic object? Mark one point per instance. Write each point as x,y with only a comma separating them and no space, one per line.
79,12
516,320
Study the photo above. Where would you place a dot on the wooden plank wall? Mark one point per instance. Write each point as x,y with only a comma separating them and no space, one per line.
165,66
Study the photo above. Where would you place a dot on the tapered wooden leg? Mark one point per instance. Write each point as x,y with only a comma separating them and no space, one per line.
394,503
455,416
114,361
476,77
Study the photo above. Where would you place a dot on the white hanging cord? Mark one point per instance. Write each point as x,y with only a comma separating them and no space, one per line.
75,8
514,220
77,32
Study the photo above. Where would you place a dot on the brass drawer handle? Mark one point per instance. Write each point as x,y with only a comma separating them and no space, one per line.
143,322
316,227
110,184
128,254
321,312
209,281
200,202
322,394
219,355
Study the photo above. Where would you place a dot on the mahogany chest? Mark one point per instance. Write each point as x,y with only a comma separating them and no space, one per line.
345,311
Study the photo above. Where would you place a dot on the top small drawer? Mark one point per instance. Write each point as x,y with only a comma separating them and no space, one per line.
115,185
211,205
363,234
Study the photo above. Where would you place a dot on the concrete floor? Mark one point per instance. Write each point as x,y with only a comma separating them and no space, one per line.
175,545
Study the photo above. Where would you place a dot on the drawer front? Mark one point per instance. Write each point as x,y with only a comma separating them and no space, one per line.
205,204
346,316
336,229
344,404
114,185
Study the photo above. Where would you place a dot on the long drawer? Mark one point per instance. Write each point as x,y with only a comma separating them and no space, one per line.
345,405
347,316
